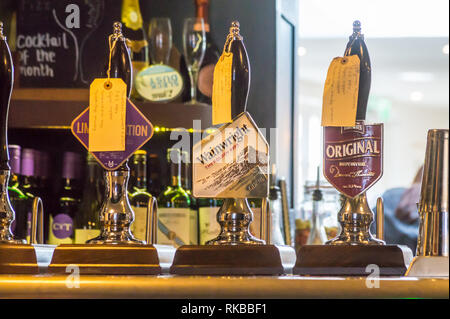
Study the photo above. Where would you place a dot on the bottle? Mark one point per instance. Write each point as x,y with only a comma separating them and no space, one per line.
317,236
133,29
255,226
19,199
276,209
212,55
209,228
43,186
28,184
139,195
62,219
27,172
87,223
186,180
154,172
177,225
186,183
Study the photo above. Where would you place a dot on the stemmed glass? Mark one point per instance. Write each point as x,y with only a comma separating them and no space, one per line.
160,36
194,45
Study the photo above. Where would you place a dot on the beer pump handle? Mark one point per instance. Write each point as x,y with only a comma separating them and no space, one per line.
6,86
380,219
357,46
120,66
240,70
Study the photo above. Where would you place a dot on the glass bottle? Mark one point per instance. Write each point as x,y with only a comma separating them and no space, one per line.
186,180
62,219
317,236
209,228
276,210
133,29
176,223
154,173
255,226
87,223
212,55
43,188
139,195
19,199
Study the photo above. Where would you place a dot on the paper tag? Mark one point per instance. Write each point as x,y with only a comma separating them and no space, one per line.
233,162
159,83
340,96
221,99
107,105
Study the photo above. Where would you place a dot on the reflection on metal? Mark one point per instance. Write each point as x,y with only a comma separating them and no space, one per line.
380,218
202,287
234,218
7,214
433,240
433,206
152,221
37,222
355,218
116,214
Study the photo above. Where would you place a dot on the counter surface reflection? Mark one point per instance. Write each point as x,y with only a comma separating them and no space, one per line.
178,287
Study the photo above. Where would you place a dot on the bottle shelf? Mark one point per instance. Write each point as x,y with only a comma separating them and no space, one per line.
56,109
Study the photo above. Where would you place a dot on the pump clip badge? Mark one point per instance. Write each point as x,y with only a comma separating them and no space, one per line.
138,131
232,162
353,157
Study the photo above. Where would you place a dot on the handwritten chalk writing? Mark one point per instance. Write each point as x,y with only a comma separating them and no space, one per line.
41,70
42,40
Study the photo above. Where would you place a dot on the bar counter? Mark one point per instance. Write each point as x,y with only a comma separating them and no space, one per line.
177,287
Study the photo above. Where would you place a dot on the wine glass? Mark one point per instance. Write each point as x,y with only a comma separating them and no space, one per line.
194,45
160,36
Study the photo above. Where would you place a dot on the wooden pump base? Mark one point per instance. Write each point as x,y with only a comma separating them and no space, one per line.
227,260
329,260
18,259
106,259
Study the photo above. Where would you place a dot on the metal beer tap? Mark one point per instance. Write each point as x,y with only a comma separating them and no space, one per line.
433,241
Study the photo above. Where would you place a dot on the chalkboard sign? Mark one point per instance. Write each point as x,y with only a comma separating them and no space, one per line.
63,43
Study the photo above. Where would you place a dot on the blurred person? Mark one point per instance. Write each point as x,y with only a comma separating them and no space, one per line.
401,216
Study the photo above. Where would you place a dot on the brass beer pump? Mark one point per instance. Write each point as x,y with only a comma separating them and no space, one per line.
115,251
16,256
433,241
235,251
355,248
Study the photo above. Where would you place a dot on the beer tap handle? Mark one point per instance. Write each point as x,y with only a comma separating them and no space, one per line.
380,219
241,73
37,222
357,46
6,86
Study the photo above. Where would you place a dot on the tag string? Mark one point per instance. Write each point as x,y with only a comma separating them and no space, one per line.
228,42
111,48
